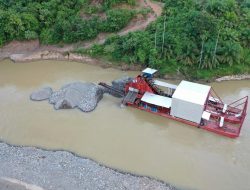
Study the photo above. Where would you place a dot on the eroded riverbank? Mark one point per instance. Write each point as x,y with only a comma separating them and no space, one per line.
30,51
127,139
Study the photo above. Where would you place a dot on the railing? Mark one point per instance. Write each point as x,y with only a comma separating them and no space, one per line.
215,96
237,109
243,102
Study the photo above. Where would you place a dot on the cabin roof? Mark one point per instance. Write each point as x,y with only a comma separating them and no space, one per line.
156,100
149,71
192,92
164,84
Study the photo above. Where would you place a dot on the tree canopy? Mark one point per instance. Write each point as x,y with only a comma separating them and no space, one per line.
55,21
192,37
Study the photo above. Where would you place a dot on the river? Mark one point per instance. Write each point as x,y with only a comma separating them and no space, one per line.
124,138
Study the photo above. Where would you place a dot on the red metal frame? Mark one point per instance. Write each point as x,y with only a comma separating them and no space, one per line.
234,115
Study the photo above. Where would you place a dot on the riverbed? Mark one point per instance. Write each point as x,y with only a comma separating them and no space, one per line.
123,138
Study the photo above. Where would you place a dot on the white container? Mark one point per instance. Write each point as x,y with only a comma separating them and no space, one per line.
188,101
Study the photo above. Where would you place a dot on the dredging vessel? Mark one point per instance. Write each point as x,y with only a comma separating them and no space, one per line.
190,103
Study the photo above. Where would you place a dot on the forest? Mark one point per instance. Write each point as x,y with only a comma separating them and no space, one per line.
59,21
199,39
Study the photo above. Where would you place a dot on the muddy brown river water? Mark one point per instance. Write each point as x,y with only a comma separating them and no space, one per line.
124,138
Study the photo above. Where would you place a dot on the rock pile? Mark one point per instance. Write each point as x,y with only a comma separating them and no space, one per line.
233,77
84,96
41,94
119,84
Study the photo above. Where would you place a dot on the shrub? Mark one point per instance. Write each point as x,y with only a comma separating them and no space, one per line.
30,35
117,19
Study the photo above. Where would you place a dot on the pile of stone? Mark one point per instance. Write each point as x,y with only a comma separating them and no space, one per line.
84,96
119,84
233,77
42,94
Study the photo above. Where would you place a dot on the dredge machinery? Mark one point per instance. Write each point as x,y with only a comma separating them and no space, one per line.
191,103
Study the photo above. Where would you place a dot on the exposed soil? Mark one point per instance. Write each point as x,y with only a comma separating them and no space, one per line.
155,6
24,51
28,48
138,23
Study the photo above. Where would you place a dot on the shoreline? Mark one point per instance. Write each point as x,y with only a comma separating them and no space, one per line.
38,162
30,51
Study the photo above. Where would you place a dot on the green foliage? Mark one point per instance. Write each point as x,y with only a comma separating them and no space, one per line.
30,35
192,37
198,38
109,3
57,21
46,36
136,47
95,50
117,19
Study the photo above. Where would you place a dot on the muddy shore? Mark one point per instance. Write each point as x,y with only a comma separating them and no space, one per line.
33,168
28,51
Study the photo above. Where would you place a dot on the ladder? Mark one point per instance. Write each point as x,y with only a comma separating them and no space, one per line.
130,97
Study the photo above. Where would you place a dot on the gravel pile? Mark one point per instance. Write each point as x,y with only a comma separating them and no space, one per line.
119,84
59,170
84,96
42,94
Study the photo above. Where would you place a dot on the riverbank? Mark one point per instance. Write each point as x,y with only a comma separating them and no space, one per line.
29,51
46,169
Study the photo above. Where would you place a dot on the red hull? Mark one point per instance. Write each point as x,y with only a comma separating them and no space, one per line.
220,118
212,126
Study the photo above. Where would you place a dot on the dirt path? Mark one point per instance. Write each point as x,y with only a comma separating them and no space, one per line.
32,50
156,7
134,25
24,51
142,24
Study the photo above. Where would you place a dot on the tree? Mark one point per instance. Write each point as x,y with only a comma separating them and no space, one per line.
12,25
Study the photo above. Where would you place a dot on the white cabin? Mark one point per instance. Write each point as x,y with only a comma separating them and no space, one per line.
188,101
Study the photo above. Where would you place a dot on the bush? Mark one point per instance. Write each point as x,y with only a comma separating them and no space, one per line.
46,36
109,3
199,39
117,19
56,21
95,50
30,35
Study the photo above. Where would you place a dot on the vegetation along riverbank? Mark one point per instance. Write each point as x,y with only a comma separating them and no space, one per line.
190,39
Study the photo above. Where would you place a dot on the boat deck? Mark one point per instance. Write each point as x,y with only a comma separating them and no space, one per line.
229,129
